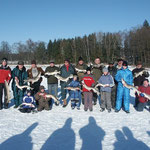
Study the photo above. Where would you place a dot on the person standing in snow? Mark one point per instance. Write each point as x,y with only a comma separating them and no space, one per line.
97,72
123,93
32,73
5,75
65,71
88,95
113,70
19,74
138,81
52,81
107,80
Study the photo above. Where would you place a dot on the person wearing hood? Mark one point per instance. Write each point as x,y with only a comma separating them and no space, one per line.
123,93
5,75
43,102
19,74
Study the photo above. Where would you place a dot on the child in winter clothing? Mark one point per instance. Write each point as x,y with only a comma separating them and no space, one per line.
43,102
88,95
28,103
75,96
107,80
143,102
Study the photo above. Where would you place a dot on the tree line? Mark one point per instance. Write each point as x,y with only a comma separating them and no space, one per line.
133,45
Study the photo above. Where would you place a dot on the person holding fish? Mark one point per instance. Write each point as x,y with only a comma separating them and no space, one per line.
52,81
123,93
33,72
139,74
19,74
5,76
143,101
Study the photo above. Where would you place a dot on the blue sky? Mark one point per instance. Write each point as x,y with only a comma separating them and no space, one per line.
42,20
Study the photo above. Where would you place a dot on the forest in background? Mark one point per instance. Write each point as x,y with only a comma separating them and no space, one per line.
133,46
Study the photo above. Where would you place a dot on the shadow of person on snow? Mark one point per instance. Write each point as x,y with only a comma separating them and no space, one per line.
92,136
61,139
21,141
128,142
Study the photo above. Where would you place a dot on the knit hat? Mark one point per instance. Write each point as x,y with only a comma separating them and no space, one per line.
124,63
80,58
42,87
88,69
33,62
28,91
67,60
20,62
105,69
139,63
111,63
51,61
4,59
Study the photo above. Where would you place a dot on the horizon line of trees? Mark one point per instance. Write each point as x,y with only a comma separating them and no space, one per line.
133,46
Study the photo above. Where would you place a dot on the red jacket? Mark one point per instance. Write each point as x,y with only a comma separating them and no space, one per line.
5,74
89,81
146,90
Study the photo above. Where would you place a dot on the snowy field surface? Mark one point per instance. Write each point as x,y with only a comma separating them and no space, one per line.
67,129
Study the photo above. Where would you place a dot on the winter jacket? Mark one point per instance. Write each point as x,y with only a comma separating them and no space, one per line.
74,83
28,100
106,79
5,74
29,71
51,79
146,90
139,80
20,74
82,67
123,92
112,71
97,72
89,81
64,73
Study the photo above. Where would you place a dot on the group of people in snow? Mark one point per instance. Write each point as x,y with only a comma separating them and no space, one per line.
82,87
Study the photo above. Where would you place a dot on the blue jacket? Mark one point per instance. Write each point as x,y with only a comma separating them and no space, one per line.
74,84
29,100
125,74
106,79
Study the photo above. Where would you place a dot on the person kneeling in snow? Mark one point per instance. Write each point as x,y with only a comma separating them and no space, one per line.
143,102
75,96
42,100
28,103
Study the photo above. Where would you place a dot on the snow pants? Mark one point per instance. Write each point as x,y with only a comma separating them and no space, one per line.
123,94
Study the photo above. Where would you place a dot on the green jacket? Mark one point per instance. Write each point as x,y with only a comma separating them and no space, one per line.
80,74
97,72
51,79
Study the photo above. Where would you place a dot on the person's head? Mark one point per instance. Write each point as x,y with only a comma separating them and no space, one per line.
75,77
20,65
111,64
124,64
33,63
80,61
29,92
120,62
52,63
146,83
139,65
4,61
66,62
105,71
88,70
97,60
42,88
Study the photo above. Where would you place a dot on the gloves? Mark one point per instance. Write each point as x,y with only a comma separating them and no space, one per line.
141,94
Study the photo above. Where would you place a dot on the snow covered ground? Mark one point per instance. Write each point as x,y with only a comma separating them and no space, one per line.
66,129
